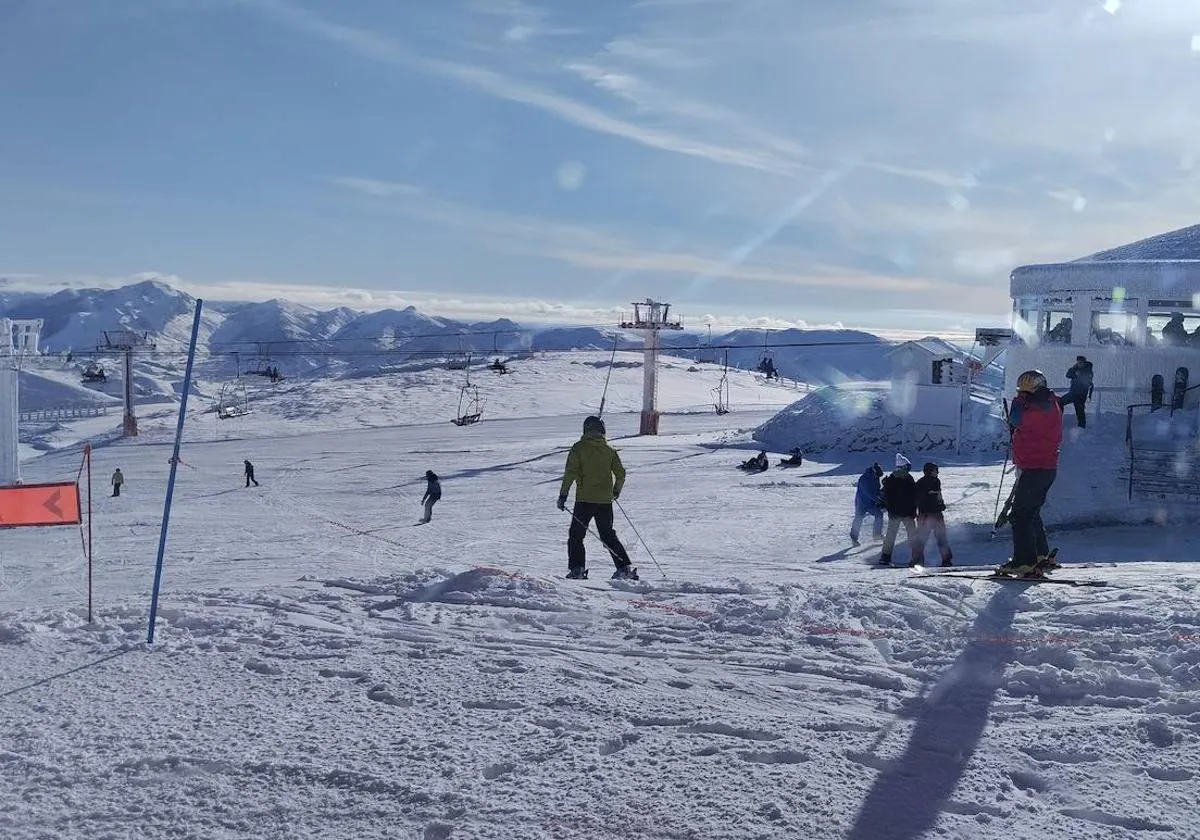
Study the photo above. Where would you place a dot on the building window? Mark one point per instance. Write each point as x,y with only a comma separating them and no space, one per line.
1057,326
1111,328
1174,327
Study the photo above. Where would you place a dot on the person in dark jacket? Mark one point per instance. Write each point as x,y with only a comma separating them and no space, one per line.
248,471
931,519
433,492
758,463
868,500
1082,382
596,470
900,500
1036,420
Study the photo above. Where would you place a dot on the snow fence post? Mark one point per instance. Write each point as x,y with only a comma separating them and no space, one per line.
162,536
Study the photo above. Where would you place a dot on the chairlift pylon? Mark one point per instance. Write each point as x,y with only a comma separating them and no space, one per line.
721,392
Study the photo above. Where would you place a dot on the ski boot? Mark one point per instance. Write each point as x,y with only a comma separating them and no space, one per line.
577,574
1015,569
625,573
1047,563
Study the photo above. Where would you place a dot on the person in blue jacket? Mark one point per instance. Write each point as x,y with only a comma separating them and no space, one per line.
868,501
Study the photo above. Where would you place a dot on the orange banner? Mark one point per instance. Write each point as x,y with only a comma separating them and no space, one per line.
26,505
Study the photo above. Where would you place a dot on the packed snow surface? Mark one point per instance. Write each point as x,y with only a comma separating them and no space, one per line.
322,669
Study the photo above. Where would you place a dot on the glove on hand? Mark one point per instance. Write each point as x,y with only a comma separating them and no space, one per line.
562,502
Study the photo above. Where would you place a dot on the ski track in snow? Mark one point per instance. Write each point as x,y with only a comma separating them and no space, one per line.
322,669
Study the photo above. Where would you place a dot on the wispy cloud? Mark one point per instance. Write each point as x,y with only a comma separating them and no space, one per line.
583,247
383,48
372,186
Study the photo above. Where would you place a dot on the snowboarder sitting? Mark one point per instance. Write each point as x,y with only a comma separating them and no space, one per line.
1036,421
795,459
248,471
758,463
118,478
596,470
1080,392
868,501
900,500
433,492
931,516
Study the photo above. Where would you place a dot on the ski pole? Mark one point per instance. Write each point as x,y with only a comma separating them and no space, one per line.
1003,470
639,536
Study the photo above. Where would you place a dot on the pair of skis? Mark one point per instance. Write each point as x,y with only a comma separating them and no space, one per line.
1032,577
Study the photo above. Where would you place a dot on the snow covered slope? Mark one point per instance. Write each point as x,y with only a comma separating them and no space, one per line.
323,669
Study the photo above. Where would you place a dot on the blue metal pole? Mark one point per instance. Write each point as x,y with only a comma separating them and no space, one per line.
166,519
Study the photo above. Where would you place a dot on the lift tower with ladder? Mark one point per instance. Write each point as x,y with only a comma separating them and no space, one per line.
126,342
650,318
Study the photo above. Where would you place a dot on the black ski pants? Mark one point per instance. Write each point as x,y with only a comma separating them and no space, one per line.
582,514
1029,534
250,477
1077,400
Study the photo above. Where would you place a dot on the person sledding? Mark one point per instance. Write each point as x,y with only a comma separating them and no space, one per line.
596,470
795,458
758,463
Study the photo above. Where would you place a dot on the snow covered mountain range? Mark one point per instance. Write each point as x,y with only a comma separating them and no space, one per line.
301,339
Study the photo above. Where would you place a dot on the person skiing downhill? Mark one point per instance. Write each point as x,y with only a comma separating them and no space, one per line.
1036,420
868,500
900,499
596,470
931,519
433,492
248,471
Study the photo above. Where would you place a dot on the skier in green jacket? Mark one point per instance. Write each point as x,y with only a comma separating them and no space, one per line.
595,469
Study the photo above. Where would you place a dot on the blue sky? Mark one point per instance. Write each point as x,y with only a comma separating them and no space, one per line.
878,163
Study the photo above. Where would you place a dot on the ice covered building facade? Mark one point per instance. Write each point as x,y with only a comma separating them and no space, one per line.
1133,311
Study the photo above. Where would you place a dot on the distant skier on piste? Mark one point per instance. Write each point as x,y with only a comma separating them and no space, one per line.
248,472
433,492
596,470
1036,420
900,500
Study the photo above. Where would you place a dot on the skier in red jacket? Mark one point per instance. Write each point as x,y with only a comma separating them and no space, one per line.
1036,420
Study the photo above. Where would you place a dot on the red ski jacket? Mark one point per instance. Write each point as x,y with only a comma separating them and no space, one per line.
1037,421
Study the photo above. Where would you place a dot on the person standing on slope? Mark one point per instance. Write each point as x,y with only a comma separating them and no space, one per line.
596,470
931,519
433,492
900,499
1082,383
1036,420
248,471
118,478
867,502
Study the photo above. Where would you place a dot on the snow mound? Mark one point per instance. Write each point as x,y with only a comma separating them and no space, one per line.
859,419
483,586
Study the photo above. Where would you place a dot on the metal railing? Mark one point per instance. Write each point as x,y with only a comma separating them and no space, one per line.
52,415
1164,470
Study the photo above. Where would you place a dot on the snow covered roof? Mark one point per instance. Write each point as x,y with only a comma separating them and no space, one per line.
932,346
1172,279
1176,245
1165,266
